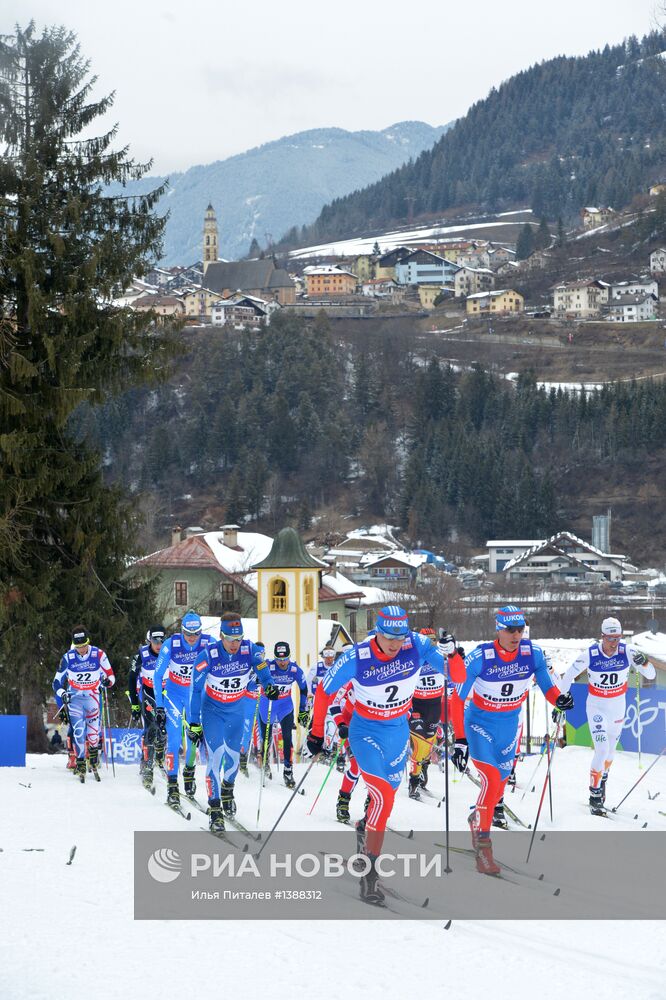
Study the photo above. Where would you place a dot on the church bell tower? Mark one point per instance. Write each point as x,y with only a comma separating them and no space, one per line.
210,247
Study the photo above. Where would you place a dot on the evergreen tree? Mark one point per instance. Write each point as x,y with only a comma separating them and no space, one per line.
525,242
542,238
67,252
255,249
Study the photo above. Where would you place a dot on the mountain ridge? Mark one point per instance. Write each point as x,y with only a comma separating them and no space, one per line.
262,192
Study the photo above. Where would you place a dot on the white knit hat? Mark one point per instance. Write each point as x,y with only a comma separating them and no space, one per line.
611,626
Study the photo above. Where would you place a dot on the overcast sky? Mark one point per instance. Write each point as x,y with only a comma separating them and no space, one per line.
199,82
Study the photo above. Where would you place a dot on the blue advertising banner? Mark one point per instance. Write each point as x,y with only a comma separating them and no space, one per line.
126,745
645,716
13,729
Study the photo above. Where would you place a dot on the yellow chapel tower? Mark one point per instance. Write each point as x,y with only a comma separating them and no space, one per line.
210,237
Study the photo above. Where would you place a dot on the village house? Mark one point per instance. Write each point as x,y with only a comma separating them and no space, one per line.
429,294
364,267
162,305
327,280
421,267
564,558
452,250
478,256
594,216
580,299
470,280
502,301
385,266
658,261
498,255
383,288
198,302
641,287
240,311
632,308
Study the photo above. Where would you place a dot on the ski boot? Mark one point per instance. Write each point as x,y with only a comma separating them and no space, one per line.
215,817
370,888
597,802
160,749
342,807
360,844
423,777
499,819
93,762
473,828
242,765
289,776
173,793
414,785
81,769
485,862
341,762
604,779
189,782
147,776
227,799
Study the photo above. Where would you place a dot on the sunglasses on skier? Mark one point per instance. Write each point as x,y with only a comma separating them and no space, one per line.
514,628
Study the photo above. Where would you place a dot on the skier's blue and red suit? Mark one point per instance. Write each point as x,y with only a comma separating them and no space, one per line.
378,732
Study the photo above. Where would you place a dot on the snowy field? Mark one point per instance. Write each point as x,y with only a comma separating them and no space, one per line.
69,930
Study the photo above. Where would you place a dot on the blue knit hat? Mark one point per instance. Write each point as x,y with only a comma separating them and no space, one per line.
510,616
191,623
392,621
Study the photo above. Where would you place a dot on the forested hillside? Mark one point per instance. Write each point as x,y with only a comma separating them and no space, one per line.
563,134
282,424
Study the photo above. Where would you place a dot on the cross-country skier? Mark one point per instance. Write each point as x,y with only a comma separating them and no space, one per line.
426,712
284,672
252,693
499,675
171,684
607,663
83,670
316,673
142,700
217,709
384,671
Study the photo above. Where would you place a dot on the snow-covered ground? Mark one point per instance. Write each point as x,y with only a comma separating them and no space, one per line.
68,930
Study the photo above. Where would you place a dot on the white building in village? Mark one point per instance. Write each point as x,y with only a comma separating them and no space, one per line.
632,309
563,558
658,261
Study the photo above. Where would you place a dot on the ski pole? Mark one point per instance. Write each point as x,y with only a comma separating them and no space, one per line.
446,775
108,729
550,787
104,731
326,777
291,799
542,754
638,717
264,759
615,809
543,791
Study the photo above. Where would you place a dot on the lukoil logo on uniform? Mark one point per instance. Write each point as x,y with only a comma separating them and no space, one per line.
164,865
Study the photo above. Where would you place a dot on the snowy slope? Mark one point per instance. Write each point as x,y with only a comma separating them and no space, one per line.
69,930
